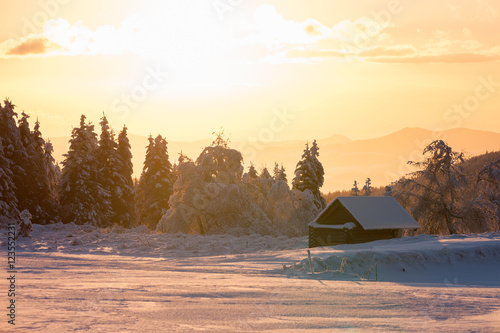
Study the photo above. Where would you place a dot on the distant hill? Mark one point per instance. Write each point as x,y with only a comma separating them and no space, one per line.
383,159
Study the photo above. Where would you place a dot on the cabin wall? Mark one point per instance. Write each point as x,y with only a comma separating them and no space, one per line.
329,237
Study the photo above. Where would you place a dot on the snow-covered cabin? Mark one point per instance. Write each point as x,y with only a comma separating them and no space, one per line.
349,220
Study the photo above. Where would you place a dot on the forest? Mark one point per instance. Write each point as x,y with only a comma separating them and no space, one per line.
213,194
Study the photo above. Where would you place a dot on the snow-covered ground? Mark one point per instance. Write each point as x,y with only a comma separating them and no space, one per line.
80,278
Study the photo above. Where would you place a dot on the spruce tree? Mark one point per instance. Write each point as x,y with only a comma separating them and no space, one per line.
355,189
252,172
53,171
264,174
125,195
367,188
14,151
276,171
156,184
309,175
36,197
282,175
50,173
317,166
305,175
108,164
82,197
8,200
279,173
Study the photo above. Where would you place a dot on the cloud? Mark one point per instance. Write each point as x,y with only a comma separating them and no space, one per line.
60,38
317,53
268,37
439,58
388,51
33,46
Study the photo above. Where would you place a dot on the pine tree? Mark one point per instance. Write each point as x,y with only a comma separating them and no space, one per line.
279,173
124,203
355,189
317,166
264,174
53,171
309,175
35,196
82,197
50,171
388,191
305,176
108,164
367,188
8,200
252,172
14,151
156,184
276,171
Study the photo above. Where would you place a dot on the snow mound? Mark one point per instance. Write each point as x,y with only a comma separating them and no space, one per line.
465,258
141,241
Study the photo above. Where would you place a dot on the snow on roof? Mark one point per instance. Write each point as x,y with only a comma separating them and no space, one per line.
348,225
377,212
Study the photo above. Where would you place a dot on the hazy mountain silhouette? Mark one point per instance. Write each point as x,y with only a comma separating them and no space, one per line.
383,159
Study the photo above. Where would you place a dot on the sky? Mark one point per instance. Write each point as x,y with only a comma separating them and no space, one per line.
268,70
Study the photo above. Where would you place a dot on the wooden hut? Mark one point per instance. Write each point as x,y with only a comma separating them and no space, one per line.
349,220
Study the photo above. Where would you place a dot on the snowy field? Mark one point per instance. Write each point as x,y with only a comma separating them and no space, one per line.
83,279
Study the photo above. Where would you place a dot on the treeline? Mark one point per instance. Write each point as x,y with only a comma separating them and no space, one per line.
355,191
95,183
29,176
213,195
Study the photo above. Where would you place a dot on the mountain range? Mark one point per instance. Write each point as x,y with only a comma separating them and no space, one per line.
383,159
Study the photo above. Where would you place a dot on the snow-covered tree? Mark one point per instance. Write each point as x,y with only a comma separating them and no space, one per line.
309,174
221,164
156,183
355,189
264,174
109,165
8,200
317,166
36,195
53,171
305,177
252,172
50,171
431,192
25,226
282,174
367,188
279,173
83,199
210,197
14,151
123,203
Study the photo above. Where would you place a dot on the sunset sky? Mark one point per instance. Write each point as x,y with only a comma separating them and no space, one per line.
283,69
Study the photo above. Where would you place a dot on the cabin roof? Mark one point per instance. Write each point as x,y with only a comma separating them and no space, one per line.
374,213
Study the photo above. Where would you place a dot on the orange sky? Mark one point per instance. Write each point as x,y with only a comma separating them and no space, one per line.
186,68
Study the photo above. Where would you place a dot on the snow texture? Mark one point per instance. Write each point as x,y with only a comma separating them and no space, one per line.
83,278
